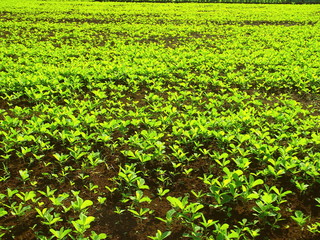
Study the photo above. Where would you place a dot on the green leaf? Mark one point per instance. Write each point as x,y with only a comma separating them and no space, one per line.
175,202
234,235
257,182
86,203
3,212
267,198
253,196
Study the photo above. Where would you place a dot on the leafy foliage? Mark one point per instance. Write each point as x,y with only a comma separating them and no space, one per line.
160,121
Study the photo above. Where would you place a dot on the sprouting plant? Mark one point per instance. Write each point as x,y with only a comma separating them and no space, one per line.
187,211
247,188
314,228
47,217
26,196
61,158
18,210
94,159
187,171
207,223
24,174
61,233
162,177
119,210
199,195
242,162
57,201
160,235
92,187
128,177
162,192
246,226
77,153
95,236
178,153
101,200
141,184
140,213
83,176
221,159
111,189
266,211
221,232
301,186
82,224
300,218
80,204
138,155
11,193
169,217
280,194
138,198
3,212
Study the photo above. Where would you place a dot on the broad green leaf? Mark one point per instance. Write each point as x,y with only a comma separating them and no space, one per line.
253,196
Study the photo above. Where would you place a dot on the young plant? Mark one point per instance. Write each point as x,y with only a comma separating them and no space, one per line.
138,198
24,174
141,213
80,205
47,217
169,217
18,210
48,193
299,218
82,224
162,192
266,211
61,233
160,235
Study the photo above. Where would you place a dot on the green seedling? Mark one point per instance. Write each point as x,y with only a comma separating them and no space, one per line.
248,227
82,224
92,187
101,200
95,236
11,193
222,232
266,211
160,235
169,217
27,196
138,198
199,195
162,192
207,223
111,190
57,201
61,158
119,210
301,186
300,218
24,174
141,213
61,233
314,228
48,218
18,210
80,204
3,212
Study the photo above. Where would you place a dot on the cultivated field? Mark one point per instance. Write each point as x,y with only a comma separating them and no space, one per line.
137,121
